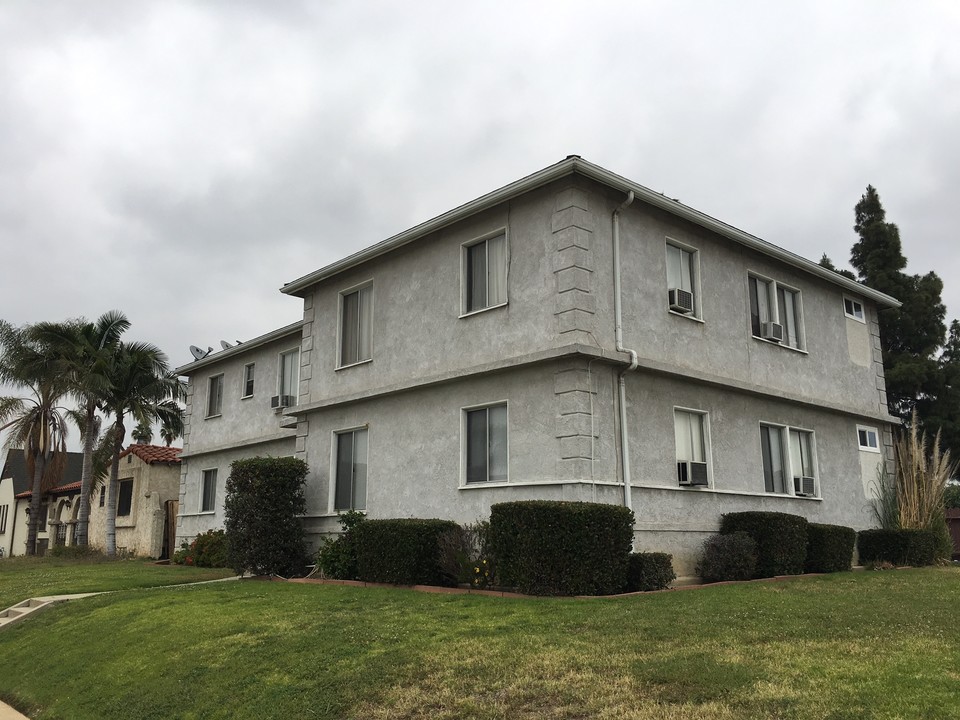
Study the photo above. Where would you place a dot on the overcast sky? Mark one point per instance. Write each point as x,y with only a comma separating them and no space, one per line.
180,161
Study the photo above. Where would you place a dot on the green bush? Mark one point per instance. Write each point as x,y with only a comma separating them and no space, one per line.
649,571
77,552
781,540
207,549
403,552
263,507
728,557
951,496
561,548
337,557
899,547
829,548
466,556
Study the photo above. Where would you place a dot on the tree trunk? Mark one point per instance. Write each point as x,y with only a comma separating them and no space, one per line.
34,523
86,478
114,486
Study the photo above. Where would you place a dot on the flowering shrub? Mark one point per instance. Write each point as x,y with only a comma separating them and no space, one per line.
208,549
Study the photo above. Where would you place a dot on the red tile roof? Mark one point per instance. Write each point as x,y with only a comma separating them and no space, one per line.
59,490
152,454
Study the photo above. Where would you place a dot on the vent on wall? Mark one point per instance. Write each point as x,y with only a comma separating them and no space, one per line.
692,473
282,401
804,486
772,331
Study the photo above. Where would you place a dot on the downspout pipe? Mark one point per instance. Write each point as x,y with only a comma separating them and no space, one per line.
622,385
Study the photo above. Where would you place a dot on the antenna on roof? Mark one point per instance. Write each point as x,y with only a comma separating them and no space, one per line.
199,354
225,345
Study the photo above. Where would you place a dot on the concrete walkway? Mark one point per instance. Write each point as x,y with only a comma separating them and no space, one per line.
8,713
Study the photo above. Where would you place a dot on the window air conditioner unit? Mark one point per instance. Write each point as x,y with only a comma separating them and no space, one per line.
804,487
279,402
692,473
772,331
680,300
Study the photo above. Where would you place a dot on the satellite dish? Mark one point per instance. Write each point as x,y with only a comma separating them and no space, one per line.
199,354
225,345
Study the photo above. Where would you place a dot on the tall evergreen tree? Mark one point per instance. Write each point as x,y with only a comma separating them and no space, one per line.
910,335
940,409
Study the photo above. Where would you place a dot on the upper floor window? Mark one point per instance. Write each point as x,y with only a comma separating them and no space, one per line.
248,374
853,309
485,274
689,428
208,491
775,312
288,378
350,492
868,438
682,267
215,395
356,317
486,443
789,460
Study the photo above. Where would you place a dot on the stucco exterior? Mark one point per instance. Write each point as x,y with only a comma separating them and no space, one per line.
549,353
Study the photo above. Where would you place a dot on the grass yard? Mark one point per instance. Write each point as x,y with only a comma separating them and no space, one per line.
851,645
24,577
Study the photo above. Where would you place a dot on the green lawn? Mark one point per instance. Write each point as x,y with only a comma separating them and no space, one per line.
25,577
852,645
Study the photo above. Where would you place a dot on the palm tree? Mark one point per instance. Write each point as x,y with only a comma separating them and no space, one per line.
169,434
84,351
142,387
142,433
37,423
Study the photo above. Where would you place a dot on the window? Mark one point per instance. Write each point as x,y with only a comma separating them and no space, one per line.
208,491
4,509
44,511
689,428
789,461
215,396
485,274
868,438
356,310
486,444
103,496
248,372
288,380
351,471
125,500
853,309
682,280
772,304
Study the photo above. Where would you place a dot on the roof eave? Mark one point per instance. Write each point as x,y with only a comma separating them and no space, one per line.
568,166
239,349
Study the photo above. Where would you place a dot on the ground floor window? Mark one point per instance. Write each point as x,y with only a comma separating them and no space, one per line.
208,491
125,499
689,428
485,431
351,470
789,460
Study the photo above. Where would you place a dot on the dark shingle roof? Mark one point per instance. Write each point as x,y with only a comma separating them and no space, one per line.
16,467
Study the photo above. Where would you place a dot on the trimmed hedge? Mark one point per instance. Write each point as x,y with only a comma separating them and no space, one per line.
263,507
547,547
900,547
728,557
402,551
781,540
829,548
337,557
649,571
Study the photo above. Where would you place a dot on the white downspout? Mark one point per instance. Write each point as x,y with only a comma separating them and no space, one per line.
618,312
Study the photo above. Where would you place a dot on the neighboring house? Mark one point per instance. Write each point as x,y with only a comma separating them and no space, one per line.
149,484
59,505
571,336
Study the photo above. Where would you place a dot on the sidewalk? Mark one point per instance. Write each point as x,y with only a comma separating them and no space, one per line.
8,713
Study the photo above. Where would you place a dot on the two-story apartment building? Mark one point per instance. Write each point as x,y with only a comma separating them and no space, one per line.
572,335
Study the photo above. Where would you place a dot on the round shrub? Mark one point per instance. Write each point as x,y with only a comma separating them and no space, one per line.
829,548
781,540
649,571
207,549
728,557
547,547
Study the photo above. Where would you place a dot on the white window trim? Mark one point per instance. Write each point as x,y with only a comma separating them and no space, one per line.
200,510
332,494
697,315
243,381
801,323
217,414
707,450
296,393
875,431
463,271
368,283
863,309
789,459
463,444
